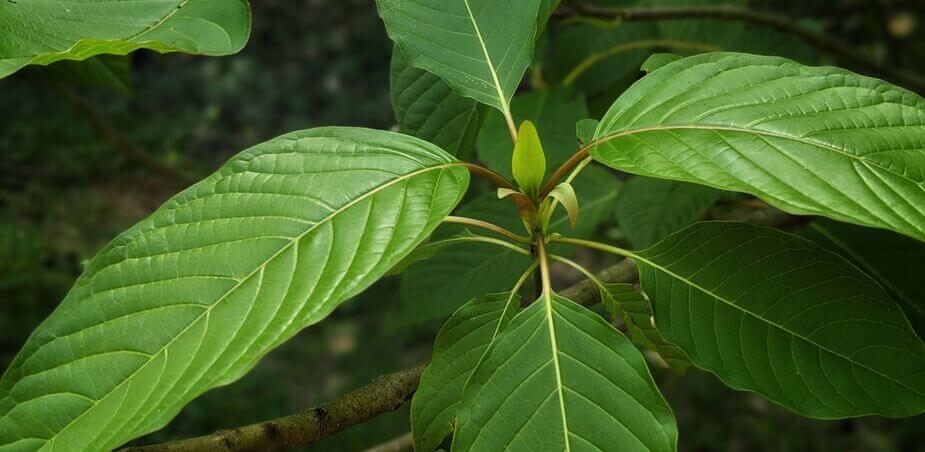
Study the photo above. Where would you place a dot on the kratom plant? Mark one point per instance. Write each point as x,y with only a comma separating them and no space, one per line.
193,296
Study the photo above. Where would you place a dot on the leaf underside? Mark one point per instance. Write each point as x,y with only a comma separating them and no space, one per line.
774,313
45,31
809,140
426,107
193,296
457,351
481,48
559,377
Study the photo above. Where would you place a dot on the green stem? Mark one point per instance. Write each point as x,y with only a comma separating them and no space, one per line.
584,271
479,238
487,226
492,176
595,245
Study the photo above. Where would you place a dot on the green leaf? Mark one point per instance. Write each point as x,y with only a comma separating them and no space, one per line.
427,108
528,163
458,349
657,60
623,301
45,31
559,377
553,112
481,48
776,314
584,130
649,209
895,261
565,194
193,296
808,140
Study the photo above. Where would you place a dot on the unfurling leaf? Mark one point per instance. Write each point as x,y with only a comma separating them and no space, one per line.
193,296
458,349
776,314
558,377
565,194
528,162
808,140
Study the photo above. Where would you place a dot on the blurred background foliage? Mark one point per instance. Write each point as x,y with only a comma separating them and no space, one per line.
68,185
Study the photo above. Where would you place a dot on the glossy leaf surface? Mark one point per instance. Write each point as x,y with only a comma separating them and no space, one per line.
808,140
191,297
45,31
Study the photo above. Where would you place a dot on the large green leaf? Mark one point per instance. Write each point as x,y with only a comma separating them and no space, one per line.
554,112
426,107
895,261
433,288
191,297
109,71
559,377
649,209
481,48
458,349
774,313
45,31
809,140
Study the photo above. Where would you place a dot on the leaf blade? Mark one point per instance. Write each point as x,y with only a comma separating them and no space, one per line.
40,34
459,347
740,301
722,135
219,275
587,400
494,56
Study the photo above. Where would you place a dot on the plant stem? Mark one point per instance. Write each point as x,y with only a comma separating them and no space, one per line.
542,256
487,226
479,238
385,393
564,169
584,271
492,176
595,245
787,25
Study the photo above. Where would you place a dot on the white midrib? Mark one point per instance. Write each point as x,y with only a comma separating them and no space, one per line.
259,268
774,324
505,108
547,302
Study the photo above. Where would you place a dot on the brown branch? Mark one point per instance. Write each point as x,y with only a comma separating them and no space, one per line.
787,25
103,127
386,393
